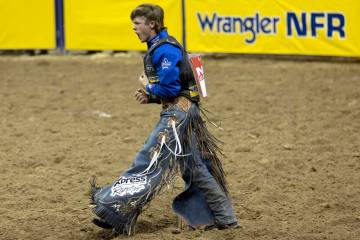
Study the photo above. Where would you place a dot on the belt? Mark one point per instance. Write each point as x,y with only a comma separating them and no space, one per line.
182,102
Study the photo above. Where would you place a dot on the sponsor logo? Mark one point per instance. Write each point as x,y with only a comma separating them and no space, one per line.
304,24
128,186
250,26
165,63
149,68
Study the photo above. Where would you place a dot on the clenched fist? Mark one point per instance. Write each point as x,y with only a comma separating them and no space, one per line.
141,96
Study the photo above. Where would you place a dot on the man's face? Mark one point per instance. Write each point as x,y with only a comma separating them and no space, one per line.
145,31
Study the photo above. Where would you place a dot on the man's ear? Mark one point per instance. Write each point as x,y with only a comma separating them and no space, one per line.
152,24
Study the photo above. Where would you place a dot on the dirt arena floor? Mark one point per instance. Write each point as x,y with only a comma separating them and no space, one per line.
291,131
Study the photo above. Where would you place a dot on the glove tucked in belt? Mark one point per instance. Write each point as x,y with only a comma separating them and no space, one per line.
182,102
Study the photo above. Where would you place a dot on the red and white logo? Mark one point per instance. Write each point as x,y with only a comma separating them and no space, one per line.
198,71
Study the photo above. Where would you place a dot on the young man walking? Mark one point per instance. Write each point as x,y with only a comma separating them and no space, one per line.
180,140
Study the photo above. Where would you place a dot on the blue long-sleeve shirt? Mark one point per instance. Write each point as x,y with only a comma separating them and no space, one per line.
165,58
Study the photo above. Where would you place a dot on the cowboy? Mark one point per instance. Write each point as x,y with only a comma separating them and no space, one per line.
179,141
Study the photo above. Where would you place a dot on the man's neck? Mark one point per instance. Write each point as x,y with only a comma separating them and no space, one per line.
157,37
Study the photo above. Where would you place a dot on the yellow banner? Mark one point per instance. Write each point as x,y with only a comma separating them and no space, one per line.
27,24
321,27
106,24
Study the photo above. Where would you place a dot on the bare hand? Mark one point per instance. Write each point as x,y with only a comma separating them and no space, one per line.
141,96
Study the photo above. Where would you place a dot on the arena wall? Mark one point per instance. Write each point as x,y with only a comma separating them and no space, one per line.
27,24
106,24
320,28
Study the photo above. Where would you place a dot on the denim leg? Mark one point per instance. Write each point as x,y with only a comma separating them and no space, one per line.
142,158
120,203
217,200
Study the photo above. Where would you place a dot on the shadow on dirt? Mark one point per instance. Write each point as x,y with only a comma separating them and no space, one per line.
142,227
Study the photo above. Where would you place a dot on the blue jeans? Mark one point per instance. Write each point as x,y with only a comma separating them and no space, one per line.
154,166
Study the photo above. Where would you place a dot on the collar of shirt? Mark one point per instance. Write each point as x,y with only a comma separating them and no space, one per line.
160,35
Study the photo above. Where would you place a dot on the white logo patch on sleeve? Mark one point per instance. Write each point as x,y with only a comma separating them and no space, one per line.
165,63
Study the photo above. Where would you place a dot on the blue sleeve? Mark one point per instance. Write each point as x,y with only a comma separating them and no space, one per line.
166,59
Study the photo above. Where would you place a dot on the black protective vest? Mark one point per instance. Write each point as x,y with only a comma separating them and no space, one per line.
188,84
